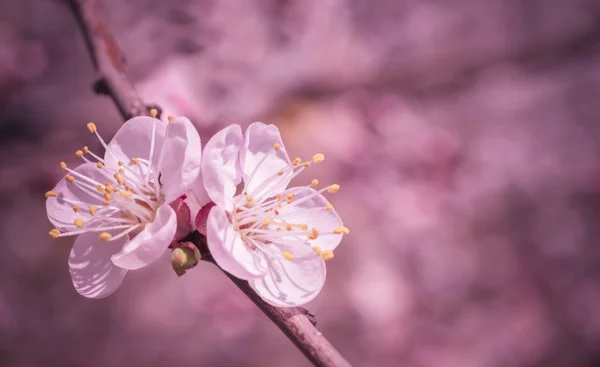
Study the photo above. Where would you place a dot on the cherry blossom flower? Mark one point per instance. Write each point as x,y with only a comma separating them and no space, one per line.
119,204
275,237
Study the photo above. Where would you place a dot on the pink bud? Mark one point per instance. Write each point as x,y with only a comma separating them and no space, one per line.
202,217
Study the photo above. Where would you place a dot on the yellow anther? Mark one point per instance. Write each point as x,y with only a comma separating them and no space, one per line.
317,250
297,161
51,194
153,112
107,196
93,209
106,203
134,160
126,194
276,212
333,188
314,183
318,158
314,234
99,188
288,227
278,229
120,163
78,222
276,146
249,198
92,127
290,196
120,180
327,255
122,171
85,149
266,222
280,173
70,178
341,229
63,165
105,236
76,208
79,153
278,197
99,164
54,233
288,255
329,207
306,164
171,118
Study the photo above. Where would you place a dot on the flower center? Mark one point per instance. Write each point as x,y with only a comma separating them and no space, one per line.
263,221
124,197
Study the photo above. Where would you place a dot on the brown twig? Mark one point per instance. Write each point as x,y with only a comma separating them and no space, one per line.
297,323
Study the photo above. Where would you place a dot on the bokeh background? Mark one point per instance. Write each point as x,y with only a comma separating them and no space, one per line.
465,135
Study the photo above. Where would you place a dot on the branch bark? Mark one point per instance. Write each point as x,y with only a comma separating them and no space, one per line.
297,323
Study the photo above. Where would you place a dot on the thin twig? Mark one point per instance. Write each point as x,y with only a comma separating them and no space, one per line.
297,323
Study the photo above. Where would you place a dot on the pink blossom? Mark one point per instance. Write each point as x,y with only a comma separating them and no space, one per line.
119,205
275,237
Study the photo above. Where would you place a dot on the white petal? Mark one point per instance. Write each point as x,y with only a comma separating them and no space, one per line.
261,161
134,140
221,172
228,249
292,283
60,213
149,244
92,272
314,214
180,158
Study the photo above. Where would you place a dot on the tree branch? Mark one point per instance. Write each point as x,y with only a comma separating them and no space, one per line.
297,323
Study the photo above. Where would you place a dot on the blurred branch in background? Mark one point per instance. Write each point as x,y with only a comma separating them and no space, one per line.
111,79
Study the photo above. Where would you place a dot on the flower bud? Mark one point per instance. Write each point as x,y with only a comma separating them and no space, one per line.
184,257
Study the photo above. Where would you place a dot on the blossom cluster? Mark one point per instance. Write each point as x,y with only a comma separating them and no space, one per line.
155,184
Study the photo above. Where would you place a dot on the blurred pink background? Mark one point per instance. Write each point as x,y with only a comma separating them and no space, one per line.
464,134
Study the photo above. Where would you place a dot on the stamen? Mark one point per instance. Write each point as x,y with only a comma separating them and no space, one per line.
78,222
99,164
314,183
333,188
85,149
290,196
134,160
327,255
288,255
296,161
314,234
79,153
276,146
105,236
76,208
317,250
171,118
51,194
92,127
306,164
93,209
70,178
153,112
318,158
63,165
329,207
341,229
120,163
266,222
54,233
126,194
